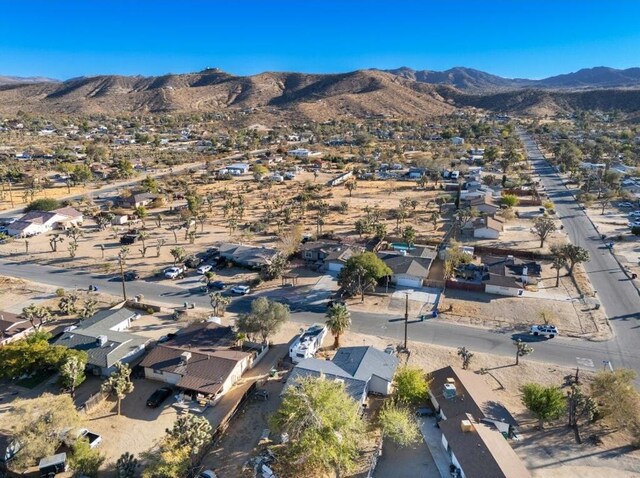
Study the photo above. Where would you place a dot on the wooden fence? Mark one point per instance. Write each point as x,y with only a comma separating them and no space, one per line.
468,286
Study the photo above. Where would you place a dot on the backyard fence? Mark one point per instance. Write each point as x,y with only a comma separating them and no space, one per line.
468,286
93,401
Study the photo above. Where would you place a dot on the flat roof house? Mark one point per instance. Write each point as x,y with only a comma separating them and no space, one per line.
202,359
475,426
237,169
105,340
362,369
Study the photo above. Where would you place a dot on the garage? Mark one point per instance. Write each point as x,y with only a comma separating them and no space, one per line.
408,281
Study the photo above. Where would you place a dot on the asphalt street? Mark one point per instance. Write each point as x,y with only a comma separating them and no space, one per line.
560,350
615,291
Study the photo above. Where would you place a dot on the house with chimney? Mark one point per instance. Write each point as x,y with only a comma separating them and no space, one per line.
203,360
106,340
475,426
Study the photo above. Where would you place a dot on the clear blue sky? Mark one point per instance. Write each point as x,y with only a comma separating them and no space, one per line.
513,38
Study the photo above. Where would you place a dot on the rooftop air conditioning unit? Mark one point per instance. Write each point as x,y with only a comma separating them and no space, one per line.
102,340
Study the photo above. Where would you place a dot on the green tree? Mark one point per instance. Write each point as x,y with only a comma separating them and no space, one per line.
72,372
190,432
126,466
178,254
466,356
510,200
150,184
617,398
411,385
119,383
68,304
265,318
38,425
88,309
522,349
338,321
141,213
218,303
544,403
559,261
44,204
85,461
399,424
362,272
324,426
433,219
351,186
573,254
168,461
274,267
543,226
409,236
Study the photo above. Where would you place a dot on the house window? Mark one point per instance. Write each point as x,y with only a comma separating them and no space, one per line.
157,372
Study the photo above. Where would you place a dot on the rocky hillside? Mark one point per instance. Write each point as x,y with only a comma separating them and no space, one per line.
399,93
318,97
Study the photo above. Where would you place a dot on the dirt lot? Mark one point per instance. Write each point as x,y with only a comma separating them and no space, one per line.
138,427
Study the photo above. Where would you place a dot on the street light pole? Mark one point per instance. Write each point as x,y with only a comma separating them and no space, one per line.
406,320
124,290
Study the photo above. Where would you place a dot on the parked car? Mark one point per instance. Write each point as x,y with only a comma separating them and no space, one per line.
129,239
208,474
547,330
204,269
131,275
173,272
211,253
634,214
240,290
425,412
625,204
217,284
159,396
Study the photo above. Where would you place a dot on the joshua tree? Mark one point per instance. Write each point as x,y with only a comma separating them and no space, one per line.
466,357
119,383
522,349
54,240
218,303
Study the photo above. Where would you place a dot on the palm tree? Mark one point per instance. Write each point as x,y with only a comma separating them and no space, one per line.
338,321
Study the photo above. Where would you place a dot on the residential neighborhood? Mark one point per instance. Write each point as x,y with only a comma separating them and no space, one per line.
313,261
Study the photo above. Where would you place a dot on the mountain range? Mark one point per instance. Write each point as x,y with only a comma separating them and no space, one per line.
401,92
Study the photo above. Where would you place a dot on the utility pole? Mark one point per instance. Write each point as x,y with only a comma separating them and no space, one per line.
406,320
10,194
124,290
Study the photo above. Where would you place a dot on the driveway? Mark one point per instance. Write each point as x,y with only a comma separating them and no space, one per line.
425,295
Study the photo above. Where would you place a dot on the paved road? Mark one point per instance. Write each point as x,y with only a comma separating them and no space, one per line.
615,291
561,351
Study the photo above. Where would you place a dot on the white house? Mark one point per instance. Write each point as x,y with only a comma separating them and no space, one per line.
457,140
236,169
299,153
503,285
487,228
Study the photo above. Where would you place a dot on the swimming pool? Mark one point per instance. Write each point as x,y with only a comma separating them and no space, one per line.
401,246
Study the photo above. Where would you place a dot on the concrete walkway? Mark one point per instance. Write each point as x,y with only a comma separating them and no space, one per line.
433,438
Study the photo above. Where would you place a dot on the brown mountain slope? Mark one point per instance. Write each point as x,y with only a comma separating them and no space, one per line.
315,96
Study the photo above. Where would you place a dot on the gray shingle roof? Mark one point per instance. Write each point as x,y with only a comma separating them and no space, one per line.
414,266
363,362
353,365
118,345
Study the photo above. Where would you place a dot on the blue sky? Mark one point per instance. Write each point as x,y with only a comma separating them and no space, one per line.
534,39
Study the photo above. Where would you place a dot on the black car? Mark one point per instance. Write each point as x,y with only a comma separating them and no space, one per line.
217,284
128,239
158,397
131,275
